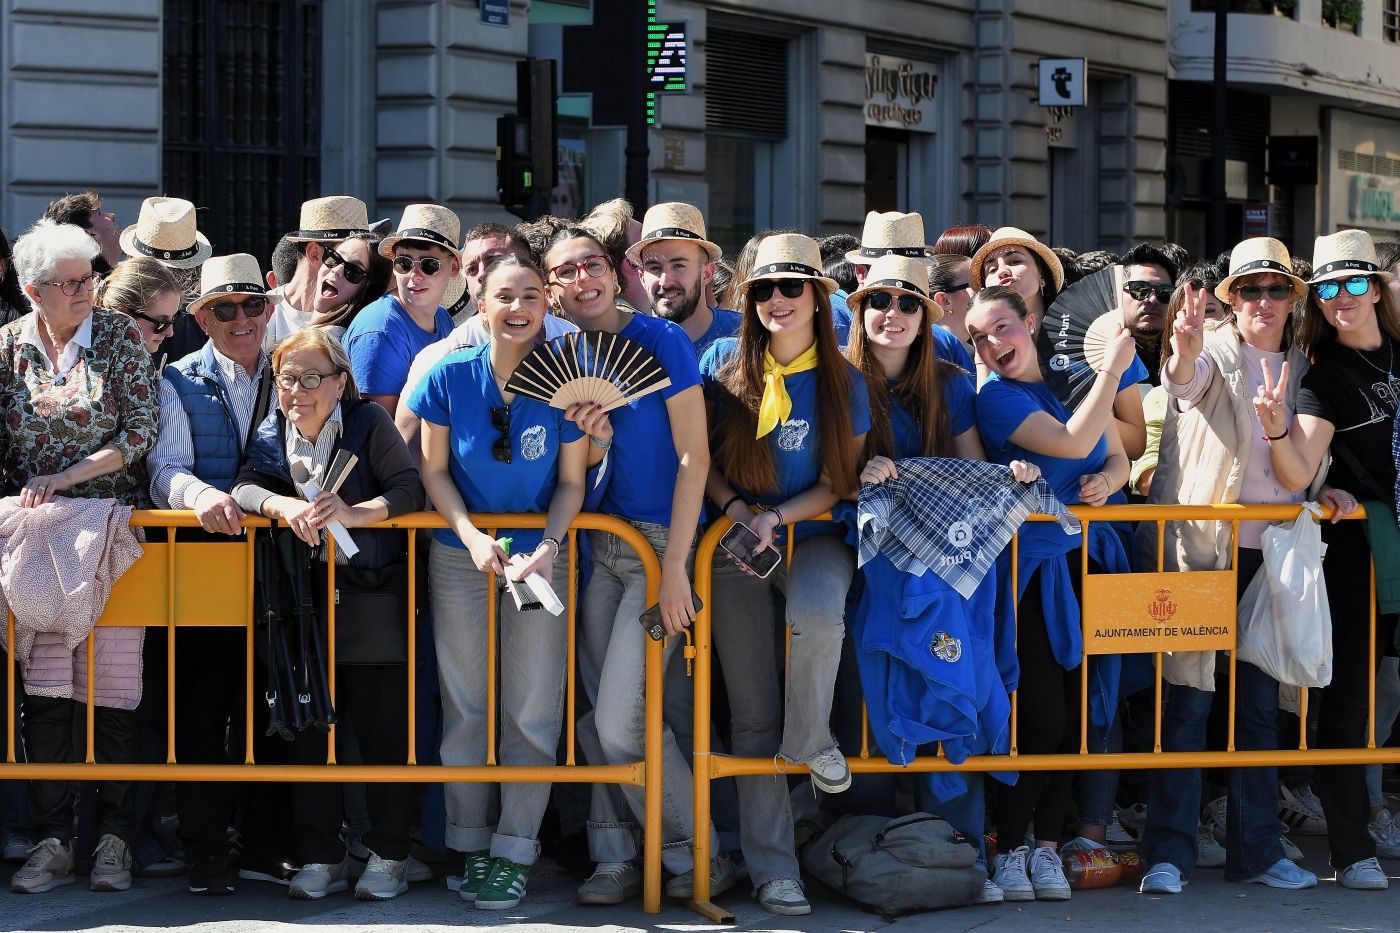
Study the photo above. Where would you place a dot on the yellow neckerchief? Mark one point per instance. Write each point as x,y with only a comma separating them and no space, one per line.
776,405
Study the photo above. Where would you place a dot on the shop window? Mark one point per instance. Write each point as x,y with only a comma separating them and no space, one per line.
1390,20
747,78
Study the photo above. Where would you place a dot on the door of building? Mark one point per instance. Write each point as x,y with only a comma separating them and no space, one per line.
241,90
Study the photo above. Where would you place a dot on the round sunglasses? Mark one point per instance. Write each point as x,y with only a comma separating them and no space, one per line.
881,301
1356,286
403,265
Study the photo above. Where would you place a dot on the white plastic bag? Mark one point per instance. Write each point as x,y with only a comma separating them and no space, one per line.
1284,619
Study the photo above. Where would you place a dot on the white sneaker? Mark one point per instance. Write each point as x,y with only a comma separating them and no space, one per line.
383,879
783,896
1209,853
1048,875
111,865
318,879
611,883
1385,834
1301,811
830,773
1365,875
1162,878
1213,817
990,893
1009,874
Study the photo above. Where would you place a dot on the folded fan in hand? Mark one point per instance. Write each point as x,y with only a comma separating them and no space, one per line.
1077,327
589,366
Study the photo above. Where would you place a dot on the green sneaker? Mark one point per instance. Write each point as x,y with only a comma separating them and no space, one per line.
506,886
474,874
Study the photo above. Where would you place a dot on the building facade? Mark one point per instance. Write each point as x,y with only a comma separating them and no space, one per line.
795,113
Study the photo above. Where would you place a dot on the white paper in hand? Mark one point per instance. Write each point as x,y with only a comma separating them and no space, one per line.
337,530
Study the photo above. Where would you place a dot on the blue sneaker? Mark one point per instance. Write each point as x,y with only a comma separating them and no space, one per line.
1284,874
1163,878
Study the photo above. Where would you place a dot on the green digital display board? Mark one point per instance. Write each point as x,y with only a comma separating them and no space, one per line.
665,59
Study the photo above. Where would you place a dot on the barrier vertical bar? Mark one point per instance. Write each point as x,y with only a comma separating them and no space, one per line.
570,682
492,597
1015,635
251,624
90,714
330,640
1371,668
1084,658
1157,684
703,756
1235,563
412,645
169,645
10,708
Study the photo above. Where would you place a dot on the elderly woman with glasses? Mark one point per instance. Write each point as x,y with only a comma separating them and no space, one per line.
78,398
286,475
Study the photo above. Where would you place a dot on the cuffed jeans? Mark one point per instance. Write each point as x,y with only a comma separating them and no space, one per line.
533,651
793,722
612,662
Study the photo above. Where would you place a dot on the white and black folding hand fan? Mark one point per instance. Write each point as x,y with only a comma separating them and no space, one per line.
589,366
1077,327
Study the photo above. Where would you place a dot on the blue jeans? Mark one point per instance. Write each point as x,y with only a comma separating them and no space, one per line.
1174,803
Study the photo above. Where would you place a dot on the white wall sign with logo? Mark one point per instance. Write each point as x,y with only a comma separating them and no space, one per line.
899,93
1061,82
1362,156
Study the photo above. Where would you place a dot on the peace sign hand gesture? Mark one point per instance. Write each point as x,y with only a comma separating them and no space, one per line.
1187,330
1269,401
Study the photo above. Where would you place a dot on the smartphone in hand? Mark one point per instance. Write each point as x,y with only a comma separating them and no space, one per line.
651,618
739,543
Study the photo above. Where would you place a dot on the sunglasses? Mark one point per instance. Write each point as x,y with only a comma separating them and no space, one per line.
1141,291
354,273
566,273
403,265
158,325
307,380
1278,291
1356,286
954,288
226,311
881,301
500,420
760,292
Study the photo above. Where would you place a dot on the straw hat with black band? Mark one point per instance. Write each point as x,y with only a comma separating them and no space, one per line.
673,220
426,223
900,274
165,231
1257,256
789,256
1344,254
224,277
891,234
1006,238
330,220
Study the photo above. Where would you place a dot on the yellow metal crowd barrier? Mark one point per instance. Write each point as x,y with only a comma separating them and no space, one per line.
187,584
1105,597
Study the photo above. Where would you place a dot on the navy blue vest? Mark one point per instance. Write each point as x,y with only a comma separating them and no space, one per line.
218,444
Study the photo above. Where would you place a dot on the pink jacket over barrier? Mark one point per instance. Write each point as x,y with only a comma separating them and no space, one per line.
58,563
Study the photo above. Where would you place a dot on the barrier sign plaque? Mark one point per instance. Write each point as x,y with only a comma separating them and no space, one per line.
1133,613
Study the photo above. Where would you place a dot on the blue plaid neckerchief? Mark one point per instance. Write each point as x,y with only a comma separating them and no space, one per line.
950,516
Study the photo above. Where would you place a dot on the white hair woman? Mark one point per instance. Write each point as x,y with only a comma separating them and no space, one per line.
78,399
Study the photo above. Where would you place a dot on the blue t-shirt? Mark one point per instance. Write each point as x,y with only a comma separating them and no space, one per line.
841,317
459,392
796,443
948,347
959,401
1002,406
725,324
382,342
643,458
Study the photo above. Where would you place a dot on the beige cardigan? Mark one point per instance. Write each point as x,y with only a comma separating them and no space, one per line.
1202,461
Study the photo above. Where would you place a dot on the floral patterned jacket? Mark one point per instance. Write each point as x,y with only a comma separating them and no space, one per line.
110,398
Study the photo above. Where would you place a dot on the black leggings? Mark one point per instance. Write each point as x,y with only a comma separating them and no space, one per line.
1047,711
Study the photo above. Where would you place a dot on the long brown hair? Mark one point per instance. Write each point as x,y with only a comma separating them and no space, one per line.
920,390
1315,332
745,458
